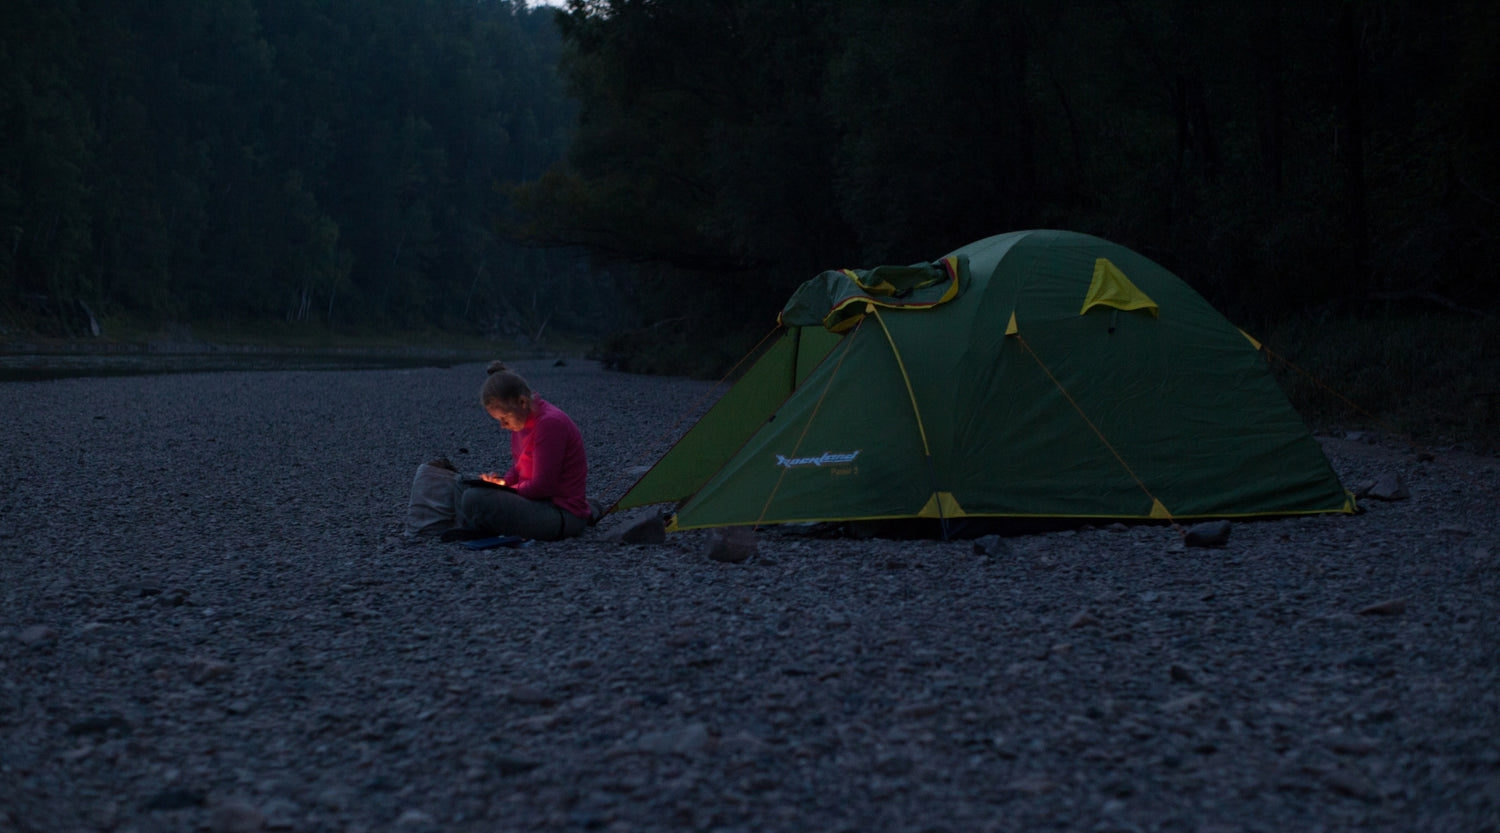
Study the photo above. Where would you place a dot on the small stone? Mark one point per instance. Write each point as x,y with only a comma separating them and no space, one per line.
235,816
1083,620
913,711
1359,660
732,545
508,765
99,725
174,798
1180,673
1207,534
1034,785
1389,607
687,740
530,696
1352,785
1388,486
742,744
281,814
201,671
416,821
1353,746
894,765
993,546
1185,703
36,635
338,798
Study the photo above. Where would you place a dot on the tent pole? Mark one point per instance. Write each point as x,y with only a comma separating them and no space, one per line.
796,357
917,412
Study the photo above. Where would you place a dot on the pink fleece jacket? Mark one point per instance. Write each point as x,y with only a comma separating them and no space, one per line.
548,461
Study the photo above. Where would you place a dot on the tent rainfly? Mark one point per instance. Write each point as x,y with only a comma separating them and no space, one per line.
1035,374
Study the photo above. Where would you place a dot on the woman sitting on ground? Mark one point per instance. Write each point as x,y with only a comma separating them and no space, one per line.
544,489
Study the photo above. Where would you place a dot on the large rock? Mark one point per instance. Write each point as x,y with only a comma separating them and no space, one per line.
1207,534
643,526
732,544
1388,486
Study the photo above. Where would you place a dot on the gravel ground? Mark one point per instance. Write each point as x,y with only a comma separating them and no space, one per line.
212,621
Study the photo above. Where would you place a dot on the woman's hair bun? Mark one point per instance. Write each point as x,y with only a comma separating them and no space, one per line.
496,366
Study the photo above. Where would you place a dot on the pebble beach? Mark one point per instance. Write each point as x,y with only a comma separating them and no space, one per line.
212,618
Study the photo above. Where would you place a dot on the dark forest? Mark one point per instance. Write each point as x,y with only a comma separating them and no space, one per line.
310,164
643,171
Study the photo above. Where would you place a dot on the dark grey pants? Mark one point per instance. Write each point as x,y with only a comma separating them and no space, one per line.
503,512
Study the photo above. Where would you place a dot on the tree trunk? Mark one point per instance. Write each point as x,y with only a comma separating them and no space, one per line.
1270,94
1351,142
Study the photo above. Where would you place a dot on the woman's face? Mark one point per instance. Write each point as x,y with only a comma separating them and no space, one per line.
511,415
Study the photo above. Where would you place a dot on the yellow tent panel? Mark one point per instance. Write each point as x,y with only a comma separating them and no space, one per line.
1110,288
942,505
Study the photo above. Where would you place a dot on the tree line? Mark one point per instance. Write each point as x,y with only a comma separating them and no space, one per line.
314,163
415,164
1282,157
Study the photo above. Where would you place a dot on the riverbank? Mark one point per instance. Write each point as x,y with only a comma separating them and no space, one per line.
212,620
38,359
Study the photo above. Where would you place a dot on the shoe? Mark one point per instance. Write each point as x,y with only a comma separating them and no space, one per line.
459,533
597,510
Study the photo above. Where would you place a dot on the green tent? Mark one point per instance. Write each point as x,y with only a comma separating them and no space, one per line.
1036,374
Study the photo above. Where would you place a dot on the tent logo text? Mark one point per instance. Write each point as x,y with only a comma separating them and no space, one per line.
827,458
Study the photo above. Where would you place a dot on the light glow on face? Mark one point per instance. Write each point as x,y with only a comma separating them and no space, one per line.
512,417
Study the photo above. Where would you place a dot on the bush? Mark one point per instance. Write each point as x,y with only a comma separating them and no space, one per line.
1433,377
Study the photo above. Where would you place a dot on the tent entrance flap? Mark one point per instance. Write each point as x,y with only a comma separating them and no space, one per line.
734,418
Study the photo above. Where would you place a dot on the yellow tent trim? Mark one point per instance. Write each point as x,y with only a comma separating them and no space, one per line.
882,294
942,505
847,324
878,288
1011,328
905,378
672,526
1159,511
1250,338
1110,288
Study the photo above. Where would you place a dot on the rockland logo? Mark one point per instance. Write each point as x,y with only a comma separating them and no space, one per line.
827,458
